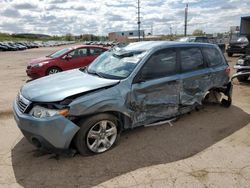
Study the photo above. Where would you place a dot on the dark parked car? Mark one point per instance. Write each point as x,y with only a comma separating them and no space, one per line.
238,47
138,85
3,47
64,59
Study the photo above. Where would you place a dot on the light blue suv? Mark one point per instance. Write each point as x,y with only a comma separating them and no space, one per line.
137,85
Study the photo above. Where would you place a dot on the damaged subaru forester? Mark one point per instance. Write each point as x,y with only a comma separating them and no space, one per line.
140,84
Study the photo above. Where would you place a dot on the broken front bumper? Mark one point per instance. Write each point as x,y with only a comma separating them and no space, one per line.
53,133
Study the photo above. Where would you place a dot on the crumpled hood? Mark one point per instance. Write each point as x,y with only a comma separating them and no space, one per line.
62,85
39,60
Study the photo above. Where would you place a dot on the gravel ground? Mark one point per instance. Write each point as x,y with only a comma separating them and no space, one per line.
208,148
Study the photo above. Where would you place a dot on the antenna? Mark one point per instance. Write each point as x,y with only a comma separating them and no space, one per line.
186,16
139,20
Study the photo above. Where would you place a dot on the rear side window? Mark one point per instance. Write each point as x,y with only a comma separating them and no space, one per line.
160,64
96,51
191,59
213,57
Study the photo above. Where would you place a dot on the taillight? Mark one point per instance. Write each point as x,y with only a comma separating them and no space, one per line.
227,71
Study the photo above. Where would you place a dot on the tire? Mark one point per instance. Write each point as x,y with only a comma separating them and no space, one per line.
230,54
53,70
242,78
92,138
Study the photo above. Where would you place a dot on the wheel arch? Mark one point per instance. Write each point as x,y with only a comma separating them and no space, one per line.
124,121
54,66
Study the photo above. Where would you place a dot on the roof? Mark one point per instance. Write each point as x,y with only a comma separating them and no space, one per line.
89,46
246,18
148,45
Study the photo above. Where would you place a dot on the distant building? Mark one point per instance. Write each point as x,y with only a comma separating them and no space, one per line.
122,36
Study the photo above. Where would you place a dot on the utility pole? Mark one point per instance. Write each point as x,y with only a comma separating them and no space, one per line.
139,20
186,16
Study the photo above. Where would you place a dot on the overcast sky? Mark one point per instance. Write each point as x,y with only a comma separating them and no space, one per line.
58,17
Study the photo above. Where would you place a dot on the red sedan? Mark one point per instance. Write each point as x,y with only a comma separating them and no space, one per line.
64,59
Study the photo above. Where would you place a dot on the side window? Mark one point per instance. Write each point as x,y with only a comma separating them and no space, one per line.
81,52
201,39
191,59
96,51
160,64
213,56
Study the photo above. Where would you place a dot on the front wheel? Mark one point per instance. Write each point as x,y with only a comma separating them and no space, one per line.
53,70
97,134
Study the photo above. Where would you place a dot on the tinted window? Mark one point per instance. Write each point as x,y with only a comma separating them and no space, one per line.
81,52
96,51
191,59
201,40
213,56
160,64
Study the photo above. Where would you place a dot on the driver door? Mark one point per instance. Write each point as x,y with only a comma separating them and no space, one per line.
156,88
75,59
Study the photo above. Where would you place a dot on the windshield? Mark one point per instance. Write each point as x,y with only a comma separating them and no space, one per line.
59,53
115,66
242,39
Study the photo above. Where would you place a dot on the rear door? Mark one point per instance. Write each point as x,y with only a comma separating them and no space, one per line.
155,90
78,58
218,66
195,76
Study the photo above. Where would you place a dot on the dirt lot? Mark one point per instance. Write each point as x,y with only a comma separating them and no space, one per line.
208,148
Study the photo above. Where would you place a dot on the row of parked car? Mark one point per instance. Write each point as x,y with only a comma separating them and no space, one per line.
23,45
104,43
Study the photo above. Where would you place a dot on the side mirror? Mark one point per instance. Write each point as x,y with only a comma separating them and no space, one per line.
67,57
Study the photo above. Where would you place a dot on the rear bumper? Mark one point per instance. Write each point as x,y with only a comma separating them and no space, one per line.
236,50
53,133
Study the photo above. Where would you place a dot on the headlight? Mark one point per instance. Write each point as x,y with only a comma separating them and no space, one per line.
240,62
40,64
41,112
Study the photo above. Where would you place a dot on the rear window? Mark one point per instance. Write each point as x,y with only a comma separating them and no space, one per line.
213,57
96,51
191,59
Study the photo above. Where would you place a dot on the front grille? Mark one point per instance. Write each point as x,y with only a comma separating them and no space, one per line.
22,103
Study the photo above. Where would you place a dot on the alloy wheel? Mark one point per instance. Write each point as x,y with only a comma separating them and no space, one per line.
101,136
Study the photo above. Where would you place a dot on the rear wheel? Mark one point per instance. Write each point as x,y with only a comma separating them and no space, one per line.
97,134
230,54
53,70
